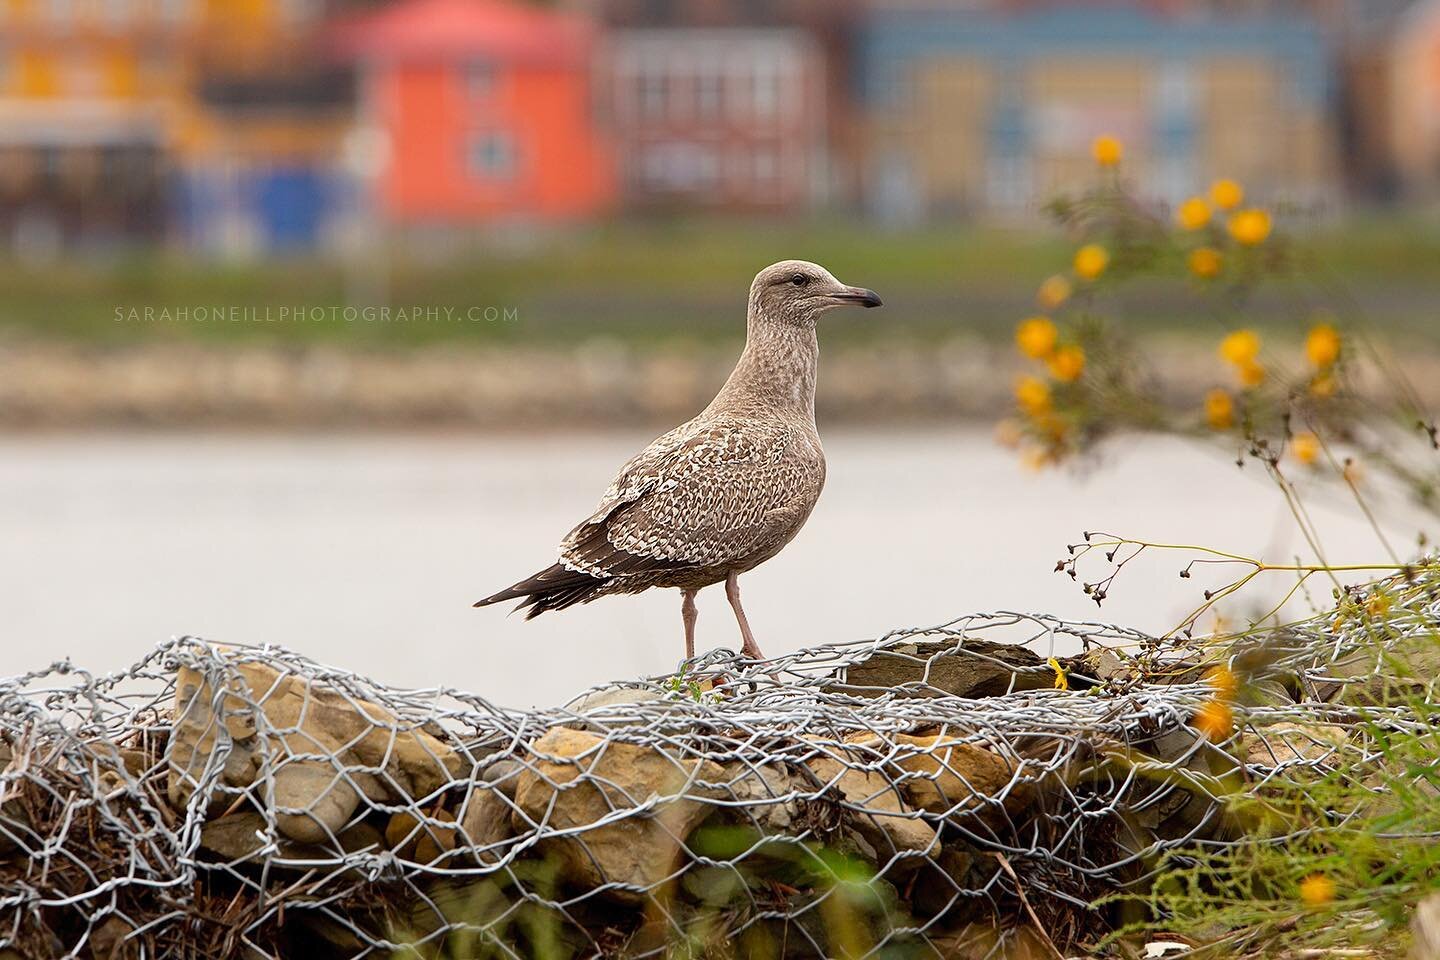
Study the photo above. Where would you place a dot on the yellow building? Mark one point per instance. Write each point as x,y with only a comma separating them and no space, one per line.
105,103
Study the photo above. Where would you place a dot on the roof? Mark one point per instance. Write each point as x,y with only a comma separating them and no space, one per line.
462,29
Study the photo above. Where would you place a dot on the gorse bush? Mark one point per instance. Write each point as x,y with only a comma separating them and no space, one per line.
1335,839
1335,816
1332,401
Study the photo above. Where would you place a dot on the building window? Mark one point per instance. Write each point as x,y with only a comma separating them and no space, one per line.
490,156
479,79
654,93
709,93
766,165
767,88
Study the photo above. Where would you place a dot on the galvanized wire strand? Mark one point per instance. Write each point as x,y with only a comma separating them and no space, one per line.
779,795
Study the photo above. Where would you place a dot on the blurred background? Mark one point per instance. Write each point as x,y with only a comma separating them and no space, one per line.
320,319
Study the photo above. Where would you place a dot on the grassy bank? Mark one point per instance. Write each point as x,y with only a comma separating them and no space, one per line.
663,282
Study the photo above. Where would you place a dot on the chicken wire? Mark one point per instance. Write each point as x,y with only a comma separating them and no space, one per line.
795,807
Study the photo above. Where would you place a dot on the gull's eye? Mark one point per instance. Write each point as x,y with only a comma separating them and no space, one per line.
799,279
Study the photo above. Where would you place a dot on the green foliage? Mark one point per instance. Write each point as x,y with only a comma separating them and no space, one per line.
644,281
1334,853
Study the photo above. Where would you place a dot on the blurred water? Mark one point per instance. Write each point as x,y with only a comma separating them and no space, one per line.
366,551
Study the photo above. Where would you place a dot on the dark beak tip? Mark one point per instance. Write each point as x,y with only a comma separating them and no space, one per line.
861,296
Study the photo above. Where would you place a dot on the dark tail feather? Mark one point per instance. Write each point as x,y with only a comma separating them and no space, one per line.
553,588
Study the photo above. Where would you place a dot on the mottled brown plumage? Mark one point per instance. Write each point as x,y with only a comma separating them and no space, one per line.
724,492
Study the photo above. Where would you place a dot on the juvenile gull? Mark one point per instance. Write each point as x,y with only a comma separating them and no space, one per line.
724,492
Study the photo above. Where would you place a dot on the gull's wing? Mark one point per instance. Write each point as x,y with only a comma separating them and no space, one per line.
705,494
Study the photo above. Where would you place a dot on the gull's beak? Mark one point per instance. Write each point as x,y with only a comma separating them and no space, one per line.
866,298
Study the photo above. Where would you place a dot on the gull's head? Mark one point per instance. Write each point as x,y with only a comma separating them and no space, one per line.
798,291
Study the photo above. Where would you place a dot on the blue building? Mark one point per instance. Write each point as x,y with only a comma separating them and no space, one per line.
972,112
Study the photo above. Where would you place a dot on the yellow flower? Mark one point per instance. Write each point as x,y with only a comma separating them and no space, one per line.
1317,890
1323,387
1036,459
1250,227
1052,427
1107,150
1067,363
1036,337
1226,684
1240,347
1215,720
1205,262
1306,447
1322,346
1251,373
1219,410
1193,213
1227,194
1090,261
1008,434
1062,680
1378,605
1033,395
1053,292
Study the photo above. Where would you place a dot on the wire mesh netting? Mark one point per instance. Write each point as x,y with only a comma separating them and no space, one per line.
928,793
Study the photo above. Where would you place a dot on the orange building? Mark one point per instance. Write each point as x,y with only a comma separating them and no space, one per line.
483,111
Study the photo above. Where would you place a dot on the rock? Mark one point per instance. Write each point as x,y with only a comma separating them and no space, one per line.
313,801
107,940
15,827
280,715
423,840
967,668
935,891
234,837
239,838
1367,677
503,775
485,821
881,817
607,705
578,779
767,794
1266,693
1289,743
950,776
1188,773
1425,929
197,733
437,838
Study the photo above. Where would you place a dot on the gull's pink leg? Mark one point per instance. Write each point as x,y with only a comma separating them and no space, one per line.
688,613
748,646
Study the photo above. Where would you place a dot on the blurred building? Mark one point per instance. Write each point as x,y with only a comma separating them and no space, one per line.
810,42
1415,111
972,112
726,118
260,163
480,110
91,97
128,121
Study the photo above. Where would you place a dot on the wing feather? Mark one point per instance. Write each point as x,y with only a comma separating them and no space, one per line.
702,495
